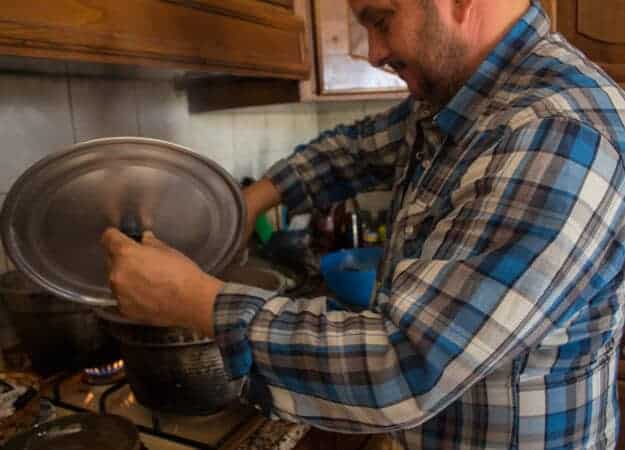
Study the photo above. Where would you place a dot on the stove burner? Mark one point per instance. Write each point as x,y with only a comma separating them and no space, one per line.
107,374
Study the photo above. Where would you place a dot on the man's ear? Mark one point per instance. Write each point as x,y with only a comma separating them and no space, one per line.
460,9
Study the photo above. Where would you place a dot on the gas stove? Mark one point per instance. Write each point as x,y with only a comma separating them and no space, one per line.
234,427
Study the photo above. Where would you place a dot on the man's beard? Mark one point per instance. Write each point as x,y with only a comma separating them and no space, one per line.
441,62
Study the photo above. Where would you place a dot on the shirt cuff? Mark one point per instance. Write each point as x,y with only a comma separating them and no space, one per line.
289,183
235,307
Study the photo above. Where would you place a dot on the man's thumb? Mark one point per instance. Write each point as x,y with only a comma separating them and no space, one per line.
148,238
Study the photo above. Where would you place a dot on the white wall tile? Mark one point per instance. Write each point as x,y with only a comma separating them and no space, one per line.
35,118
284,133
300,126
280,128
373,107
246,141
251,153
103,108
211,136
306,124
163,112
344,113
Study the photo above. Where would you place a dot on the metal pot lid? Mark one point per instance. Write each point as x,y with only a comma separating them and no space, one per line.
55,213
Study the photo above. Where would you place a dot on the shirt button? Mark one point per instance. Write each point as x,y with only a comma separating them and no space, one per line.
409,229
426,164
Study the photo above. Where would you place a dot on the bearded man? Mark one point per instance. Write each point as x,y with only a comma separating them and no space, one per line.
497,317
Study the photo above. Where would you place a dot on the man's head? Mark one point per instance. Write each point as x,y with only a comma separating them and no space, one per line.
434,45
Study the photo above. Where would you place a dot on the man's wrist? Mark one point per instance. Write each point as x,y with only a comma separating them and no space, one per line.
261,196
204,295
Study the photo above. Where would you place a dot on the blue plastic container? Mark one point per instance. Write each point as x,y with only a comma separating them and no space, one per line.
351,274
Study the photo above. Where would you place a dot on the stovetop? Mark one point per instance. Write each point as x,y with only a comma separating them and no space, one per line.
225,430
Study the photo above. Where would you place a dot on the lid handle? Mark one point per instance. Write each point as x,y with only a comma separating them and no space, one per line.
131,227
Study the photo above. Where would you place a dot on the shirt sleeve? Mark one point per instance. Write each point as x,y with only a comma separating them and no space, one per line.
343,161
523,249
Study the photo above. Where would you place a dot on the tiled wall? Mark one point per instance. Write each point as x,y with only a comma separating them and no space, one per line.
331,114
43,113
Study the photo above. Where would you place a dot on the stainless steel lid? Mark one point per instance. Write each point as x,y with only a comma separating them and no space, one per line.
56,212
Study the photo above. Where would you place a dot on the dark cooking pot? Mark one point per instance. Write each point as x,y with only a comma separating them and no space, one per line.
177,370
56,334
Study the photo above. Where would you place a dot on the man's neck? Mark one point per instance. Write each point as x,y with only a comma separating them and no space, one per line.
491,20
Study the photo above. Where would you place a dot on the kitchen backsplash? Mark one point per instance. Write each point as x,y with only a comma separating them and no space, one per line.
43,113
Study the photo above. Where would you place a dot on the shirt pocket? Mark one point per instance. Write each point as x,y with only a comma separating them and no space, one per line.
414,226
414,214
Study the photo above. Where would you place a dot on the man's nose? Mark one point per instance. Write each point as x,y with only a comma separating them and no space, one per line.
378,51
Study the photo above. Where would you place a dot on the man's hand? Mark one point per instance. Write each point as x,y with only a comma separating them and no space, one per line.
157,284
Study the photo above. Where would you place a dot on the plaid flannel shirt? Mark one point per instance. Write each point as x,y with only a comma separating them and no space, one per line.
498,316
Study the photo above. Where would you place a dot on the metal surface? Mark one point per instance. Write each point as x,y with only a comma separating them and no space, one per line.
56,334
78,432
179,370
54,215
172,370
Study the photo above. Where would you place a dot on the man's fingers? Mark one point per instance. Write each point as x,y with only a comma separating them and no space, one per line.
114,241
150,239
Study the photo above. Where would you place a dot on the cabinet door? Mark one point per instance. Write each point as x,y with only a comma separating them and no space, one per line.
285,3
242,37
550,7
597,29
342,49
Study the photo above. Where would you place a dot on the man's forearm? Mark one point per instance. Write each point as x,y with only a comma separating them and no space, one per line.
259,197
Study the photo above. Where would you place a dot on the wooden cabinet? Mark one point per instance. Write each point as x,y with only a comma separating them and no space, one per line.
237,37
597,29
285,3
342,70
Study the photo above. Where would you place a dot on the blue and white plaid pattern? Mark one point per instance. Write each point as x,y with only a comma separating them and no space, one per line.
499,311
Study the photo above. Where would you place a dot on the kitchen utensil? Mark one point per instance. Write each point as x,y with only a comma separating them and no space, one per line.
351,274
54,215
80,432
177,370
55,333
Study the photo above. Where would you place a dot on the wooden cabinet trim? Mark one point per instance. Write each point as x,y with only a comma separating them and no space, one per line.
310,89
284,3
339,72
606,28
248,10
611,56
167,33
551,9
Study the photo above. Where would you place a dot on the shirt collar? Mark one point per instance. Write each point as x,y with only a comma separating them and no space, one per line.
459,115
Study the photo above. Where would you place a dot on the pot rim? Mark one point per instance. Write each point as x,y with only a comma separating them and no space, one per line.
5,278
117,319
